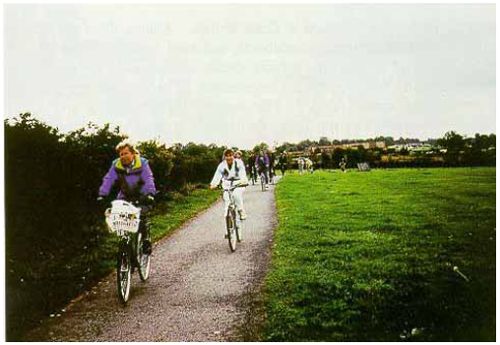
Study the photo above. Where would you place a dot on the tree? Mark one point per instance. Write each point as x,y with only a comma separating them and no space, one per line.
324,141
262,146
454,144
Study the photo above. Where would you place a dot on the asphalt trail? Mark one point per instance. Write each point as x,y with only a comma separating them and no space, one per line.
197,291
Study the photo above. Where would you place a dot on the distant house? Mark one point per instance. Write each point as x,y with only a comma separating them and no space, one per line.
365,144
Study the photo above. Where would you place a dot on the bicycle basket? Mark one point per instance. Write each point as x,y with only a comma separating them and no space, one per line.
123,217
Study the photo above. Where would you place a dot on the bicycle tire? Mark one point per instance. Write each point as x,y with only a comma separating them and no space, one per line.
124,272
143,260
230,227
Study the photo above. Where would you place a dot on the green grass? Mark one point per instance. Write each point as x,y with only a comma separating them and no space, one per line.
370,256
61,278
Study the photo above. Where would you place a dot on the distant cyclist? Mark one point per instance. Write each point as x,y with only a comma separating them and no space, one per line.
231,169
135,181
301,162
238,154
309,165
343,165
262,166
283,162
272,163
252,171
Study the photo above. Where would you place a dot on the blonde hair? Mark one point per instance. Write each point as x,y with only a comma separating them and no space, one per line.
126,144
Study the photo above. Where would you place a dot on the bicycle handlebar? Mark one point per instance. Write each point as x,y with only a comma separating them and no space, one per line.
233,187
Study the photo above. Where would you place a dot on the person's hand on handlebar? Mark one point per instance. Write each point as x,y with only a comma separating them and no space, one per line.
149,199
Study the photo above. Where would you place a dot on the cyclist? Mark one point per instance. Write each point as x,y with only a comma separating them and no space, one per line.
272,163
252,171
262,166
301,162
135,181
231,169
283,162
343,165
309,165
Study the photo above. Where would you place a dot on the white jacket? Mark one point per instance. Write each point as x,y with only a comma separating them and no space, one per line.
219,175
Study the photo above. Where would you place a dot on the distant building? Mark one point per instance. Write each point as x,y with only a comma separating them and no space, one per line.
365,144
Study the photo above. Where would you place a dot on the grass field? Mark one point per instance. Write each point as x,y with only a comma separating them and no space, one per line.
371,256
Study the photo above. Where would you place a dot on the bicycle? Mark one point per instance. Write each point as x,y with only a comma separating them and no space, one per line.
263,180
233,223
123,218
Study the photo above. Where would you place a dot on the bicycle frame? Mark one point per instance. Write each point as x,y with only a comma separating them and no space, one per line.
229,191
233,222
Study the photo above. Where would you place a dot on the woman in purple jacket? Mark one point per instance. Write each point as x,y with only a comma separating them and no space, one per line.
135,181
262,166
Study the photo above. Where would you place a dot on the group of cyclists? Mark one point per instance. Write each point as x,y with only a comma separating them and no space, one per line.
264,164
135,180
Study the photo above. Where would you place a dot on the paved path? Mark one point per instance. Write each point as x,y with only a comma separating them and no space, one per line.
197,290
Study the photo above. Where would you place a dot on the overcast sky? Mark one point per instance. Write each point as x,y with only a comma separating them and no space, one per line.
241,74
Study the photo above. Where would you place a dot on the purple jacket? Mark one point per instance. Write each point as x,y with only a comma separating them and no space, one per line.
265,160
138,178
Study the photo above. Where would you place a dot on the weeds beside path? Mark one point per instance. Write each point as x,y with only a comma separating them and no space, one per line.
374,256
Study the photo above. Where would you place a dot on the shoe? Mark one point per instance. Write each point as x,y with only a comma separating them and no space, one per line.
243,214
267,186
147,248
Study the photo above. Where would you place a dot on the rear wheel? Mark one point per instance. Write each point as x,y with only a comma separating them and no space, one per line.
124,272
231,230
263,182
143,259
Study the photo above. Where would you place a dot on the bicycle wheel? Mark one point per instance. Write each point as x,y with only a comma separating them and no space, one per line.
230,226
263,182
123,272
143,259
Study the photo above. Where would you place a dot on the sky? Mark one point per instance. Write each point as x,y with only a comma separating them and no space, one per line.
238,75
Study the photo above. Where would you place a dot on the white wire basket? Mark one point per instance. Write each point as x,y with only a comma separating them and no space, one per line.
123,217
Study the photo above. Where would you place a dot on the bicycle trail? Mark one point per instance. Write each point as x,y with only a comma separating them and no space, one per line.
197,291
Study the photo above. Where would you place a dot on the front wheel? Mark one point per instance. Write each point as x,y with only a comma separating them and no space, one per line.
143,259
124,272
231,229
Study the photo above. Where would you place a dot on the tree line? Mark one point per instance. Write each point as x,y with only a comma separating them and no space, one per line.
451,150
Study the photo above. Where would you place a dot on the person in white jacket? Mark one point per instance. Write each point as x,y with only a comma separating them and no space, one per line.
231,169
